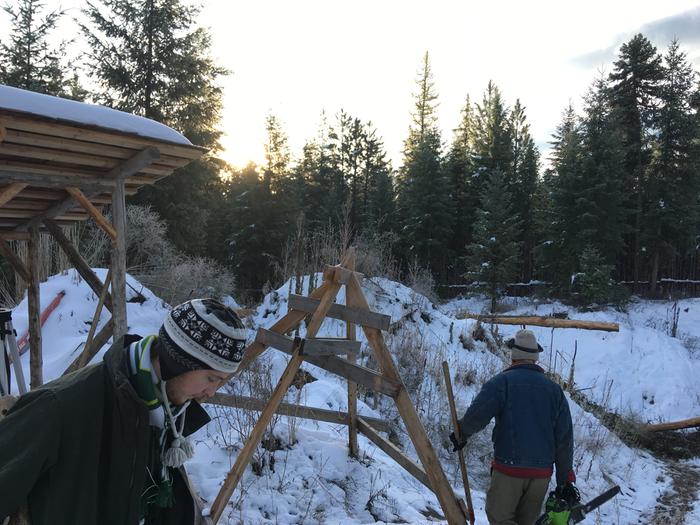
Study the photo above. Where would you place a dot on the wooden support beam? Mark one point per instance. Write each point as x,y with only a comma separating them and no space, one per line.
351,335
438,481
3,133
391,450
42,176
14,236
92,211
95,320
118,261
674,425
308,347
340,275
10,191
343,313
286,380
549,322
13,259
82,267
89,352
288,409
36,362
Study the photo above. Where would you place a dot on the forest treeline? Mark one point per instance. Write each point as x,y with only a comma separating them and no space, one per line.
617,202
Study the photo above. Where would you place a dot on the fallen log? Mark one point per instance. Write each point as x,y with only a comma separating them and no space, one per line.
674,425
549,322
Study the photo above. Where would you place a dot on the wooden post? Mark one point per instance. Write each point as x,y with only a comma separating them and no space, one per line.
118,263
14,260
82,267
351,334
89,207
549,322
83,360
460,453
414,427
236,472
34,304
98,342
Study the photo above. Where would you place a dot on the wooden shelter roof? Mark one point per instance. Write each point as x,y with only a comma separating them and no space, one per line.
51,147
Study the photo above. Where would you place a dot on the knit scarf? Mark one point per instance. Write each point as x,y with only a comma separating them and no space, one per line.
151,389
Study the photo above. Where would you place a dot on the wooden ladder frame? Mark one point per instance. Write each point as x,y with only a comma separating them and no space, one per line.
321,304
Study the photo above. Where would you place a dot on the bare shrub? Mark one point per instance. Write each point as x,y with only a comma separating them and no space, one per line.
421,280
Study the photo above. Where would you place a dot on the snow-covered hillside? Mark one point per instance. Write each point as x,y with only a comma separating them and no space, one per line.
306,475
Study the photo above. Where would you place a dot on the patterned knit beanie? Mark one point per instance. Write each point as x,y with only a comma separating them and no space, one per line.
200,334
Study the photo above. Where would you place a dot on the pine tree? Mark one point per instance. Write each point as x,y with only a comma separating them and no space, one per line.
148,59
523,183
635,88
494,255
459,166
493,145
423,200
376,206
26,59
601,200
558,251
673,182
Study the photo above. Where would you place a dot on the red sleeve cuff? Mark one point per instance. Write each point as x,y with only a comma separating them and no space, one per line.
571,477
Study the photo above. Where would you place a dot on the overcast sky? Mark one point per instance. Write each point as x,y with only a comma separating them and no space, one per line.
296,58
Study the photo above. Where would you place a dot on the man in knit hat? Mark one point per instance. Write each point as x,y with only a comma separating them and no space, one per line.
533,432
106,444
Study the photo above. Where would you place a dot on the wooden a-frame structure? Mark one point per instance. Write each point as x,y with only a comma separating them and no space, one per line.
325,353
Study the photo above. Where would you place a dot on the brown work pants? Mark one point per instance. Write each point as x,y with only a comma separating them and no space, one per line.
514,501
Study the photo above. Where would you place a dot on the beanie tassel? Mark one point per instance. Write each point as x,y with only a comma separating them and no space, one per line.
181,449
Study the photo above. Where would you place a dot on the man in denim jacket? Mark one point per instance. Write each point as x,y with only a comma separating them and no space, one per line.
533,432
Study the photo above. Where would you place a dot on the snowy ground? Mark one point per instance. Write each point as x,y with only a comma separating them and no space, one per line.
308,478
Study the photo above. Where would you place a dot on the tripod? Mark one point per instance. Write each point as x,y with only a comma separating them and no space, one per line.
9,342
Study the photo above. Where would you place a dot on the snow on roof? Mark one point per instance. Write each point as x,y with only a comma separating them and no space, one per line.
14,99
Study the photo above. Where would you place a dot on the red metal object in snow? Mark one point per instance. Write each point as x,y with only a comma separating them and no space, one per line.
22,341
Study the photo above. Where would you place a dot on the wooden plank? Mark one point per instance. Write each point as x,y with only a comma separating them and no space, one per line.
438,481
357,373
309,347
97,135
323,346
92,211
30,214
253,440
55,181
288,409
31,153
549,322
97,343
3,133
341,312
674,425
14,236
118,261
340,275
13,259
391,450
36,362
23,172
82,267
80,146
285,324
10,192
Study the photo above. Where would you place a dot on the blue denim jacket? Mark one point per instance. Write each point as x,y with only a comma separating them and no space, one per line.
533,423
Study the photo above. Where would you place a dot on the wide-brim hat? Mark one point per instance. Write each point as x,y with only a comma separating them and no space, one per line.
524,345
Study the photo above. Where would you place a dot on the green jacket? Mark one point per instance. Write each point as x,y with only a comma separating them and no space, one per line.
77,448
